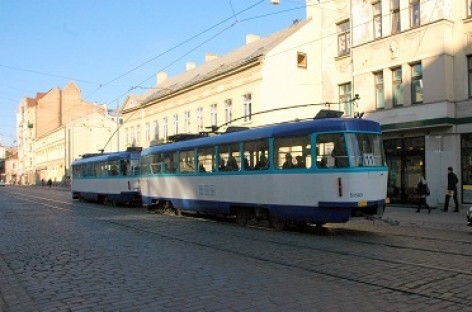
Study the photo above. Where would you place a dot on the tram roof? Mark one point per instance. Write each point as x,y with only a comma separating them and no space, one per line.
107,157
279,130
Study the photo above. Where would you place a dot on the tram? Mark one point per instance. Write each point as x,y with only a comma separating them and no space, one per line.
108,177
318,171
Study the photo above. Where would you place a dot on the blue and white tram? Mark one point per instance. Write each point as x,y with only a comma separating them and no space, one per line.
109,177
318,171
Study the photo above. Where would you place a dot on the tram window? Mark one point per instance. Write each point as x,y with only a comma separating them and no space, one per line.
90,170
96,169
293,152
206,158
186,161
230,157
145,165
366,149
113,168
155,163
256,155
134,167
331,151
169,162
103,168
83,170
76,171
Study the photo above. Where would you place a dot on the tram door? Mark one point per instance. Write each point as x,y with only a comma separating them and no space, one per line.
405,160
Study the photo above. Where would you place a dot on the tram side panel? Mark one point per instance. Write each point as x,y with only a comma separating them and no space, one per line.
324,197
123,189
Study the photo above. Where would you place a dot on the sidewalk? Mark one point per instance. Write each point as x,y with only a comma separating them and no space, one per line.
407,215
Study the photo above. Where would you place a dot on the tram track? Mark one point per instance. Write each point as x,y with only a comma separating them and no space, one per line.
331,231
142,224
300,265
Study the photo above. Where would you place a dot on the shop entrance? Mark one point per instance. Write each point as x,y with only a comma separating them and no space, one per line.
405,160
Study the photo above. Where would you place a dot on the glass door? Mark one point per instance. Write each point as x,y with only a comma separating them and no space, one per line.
405,161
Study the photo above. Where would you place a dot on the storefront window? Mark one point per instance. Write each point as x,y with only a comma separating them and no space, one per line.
466,148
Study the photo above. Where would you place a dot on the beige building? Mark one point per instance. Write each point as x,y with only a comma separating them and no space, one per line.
11,167
229,90
408,61
55,128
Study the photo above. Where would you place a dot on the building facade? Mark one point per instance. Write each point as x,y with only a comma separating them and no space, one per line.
410,61
11,166
55,128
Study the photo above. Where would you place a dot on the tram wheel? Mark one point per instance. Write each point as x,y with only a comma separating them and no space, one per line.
242,216
277,223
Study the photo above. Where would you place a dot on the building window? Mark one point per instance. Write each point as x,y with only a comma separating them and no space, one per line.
156,130
214,115
138,135
247,107
415,13
416,83
176,123
469,8
147,132
133,136
165,128
344,38
187,122
345,98
228,111
397,86
396,22
379,90
377,21
200,119
469,74
301,60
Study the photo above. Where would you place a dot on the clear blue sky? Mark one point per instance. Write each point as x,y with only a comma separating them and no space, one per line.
109,46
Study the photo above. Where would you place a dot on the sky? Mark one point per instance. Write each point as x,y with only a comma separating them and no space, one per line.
107,47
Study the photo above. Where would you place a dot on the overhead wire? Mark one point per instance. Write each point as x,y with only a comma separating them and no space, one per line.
174,47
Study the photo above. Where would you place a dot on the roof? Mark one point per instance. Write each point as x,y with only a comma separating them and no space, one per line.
222,64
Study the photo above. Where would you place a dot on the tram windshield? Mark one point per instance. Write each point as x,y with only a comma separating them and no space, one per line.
336,150
366,150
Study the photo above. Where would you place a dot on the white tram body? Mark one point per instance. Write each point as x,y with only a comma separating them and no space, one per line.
109,177
317,171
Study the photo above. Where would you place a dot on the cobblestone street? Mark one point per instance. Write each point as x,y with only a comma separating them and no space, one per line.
57,254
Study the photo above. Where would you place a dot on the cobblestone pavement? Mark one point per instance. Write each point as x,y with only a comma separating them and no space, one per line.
61,255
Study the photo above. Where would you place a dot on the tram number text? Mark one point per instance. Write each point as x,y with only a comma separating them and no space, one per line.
206,190
356,195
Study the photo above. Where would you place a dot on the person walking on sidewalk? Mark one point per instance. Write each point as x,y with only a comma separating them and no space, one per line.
451,190
422,190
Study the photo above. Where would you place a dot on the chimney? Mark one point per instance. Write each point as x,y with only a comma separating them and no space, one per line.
190,66
250,38
161,77
210,56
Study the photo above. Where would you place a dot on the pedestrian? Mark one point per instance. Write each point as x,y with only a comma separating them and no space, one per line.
451,190
422,189
42,182
49,182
